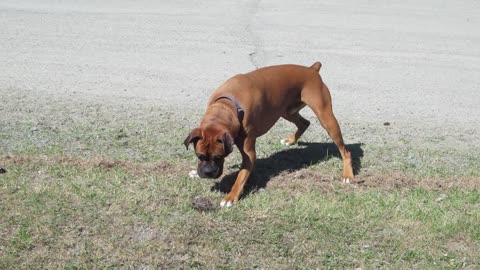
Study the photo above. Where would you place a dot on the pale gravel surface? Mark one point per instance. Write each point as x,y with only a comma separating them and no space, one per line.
415,64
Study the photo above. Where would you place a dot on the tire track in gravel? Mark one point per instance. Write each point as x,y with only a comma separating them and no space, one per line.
252,38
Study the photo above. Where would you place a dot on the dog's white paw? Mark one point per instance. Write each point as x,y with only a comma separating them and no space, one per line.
226,204
285,142
193,174
346,180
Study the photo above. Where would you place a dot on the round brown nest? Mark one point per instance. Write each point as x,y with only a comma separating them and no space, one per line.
202,204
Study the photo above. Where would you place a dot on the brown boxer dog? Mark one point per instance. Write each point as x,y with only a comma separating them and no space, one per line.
246,106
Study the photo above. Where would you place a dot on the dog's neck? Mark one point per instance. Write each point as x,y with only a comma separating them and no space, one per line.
240,111
223,113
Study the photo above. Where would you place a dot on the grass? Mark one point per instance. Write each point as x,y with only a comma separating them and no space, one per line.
105,185
86,215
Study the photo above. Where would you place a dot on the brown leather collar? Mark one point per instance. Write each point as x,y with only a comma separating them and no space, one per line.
240,111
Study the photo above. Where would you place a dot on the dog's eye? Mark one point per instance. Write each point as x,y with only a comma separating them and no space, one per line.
219,141
217,158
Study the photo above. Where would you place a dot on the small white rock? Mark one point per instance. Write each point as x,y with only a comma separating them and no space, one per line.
441,198
193,174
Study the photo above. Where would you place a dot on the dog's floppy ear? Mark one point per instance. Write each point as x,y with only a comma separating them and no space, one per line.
227,143
193,137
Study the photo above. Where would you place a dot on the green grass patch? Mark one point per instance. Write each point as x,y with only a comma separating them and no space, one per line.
78,216
104,185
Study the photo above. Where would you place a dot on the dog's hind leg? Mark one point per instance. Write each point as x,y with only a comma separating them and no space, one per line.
319,100
302,125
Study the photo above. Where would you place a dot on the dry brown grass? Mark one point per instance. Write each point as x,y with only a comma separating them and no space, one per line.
301,180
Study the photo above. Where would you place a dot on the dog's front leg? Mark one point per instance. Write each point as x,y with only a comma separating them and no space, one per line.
247,149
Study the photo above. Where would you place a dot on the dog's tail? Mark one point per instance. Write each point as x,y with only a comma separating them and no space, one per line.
317,65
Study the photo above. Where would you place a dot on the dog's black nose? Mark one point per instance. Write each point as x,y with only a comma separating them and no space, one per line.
209,171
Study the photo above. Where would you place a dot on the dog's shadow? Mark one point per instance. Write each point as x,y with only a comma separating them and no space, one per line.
291,159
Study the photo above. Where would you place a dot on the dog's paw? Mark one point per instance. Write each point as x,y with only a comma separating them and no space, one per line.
193,174
287,142
226,204
347,180
229,200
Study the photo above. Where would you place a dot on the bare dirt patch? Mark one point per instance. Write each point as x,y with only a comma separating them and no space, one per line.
303,179
307,180
165,167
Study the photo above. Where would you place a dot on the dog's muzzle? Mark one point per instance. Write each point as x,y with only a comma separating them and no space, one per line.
208,170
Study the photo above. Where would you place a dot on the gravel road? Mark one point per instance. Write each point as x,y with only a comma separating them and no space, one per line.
413,63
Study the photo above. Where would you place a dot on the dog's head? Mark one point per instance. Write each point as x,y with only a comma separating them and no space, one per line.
211,146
